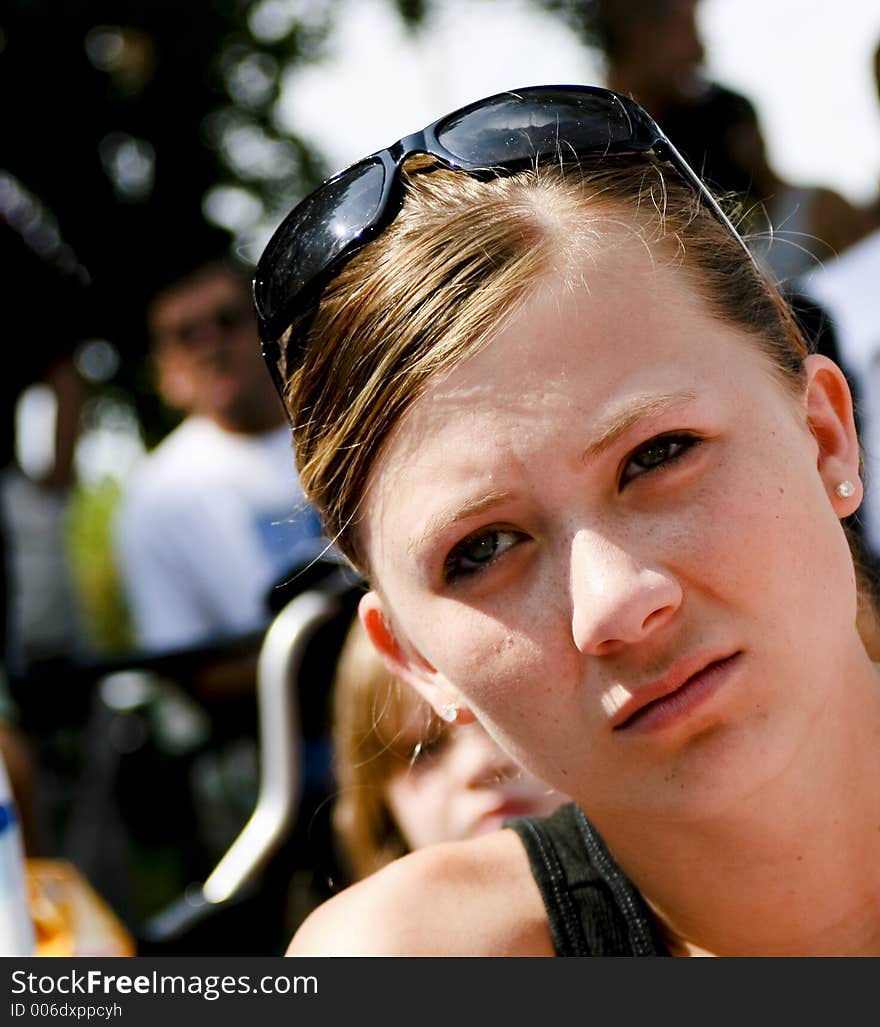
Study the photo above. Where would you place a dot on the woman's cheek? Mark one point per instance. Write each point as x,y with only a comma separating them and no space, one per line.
479,653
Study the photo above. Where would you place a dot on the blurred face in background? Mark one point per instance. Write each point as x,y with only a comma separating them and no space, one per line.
664,40
460,784
208,355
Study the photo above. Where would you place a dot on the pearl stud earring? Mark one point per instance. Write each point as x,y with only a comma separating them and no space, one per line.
449,713
845,489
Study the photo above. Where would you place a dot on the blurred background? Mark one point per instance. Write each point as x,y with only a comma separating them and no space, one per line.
132,134
140,136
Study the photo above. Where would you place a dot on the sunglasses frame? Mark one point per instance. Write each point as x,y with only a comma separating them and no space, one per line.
646,137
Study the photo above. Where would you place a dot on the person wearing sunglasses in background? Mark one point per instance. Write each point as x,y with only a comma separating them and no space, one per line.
213,516
404,777
553,410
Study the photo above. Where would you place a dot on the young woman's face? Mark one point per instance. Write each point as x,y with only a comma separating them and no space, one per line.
460,785
613,535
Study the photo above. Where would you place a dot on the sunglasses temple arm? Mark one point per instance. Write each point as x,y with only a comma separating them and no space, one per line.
687,172
271,352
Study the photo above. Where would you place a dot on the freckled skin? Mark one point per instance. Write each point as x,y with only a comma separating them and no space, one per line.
734,548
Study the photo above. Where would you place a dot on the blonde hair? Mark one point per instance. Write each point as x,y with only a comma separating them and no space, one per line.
377,725
461,257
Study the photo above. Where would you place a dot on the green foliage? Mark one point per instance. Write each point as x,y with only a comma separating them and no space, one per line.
124,117
95,575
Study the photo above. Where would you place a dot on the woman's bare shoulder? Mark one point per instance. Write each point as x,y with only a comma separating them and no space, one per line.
472,898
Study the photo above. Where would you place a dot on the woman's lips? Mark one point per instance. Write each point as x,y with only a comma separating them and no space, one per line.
494,818
658,704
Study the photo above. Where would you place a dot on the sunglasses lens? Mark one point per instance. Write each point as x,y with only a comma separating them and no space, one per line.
315,233
523,126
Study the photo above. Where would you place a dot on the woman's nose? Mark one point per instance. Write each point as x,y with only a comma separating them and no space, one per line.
617,599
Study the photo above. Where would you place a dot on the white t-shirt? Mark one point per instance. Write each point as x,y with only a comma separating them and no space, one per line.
848,289
209,522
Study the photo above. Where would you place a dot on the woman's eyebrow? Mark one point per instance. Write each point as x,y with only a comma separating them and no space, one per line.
441,521
614,426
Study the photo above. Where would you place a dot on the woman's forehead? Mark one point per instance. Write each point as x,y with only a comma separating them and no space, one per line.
584,361
632,324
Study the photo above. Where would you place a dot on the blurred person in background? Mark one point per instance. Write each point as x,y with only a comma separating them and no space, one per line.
40,622
43,618
872,211
214,514
654,53
405,778
792,228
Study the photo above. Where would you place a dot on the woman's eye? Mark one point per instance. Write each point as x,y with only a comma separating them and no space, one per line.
477,551
426,750
656,453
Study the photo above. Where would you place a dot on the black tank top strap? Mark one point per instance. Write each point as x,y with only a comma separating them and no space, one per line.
592,908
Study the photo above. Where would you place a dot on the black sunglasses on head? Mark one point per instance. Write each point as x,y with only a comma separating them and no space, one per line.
496,136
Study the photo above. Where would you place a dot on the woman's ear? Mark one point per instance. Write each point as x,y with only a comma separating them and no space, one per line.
831,421
408,665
